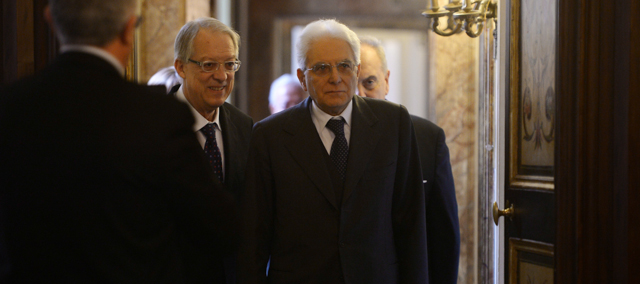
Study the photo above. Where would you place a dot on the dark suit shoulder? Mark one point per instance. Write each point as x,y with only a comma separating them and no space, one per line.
238,115
382,108
288,117
425,126
380,104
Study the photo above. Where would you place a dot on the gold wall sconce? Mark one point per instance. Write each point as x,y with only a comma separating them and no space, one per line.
461,16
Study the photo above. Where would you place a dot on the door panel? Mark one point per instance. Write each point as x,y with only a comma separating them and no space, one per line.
530,232
529,235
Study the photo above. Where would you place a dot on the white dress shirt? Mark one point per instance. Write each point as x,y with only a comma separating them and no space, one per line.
201,122
320,119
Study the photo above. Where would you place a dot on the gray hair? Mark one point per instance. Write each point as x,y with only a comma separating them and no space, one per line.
377,46
326,28
166,76
284,80
90,22
183,46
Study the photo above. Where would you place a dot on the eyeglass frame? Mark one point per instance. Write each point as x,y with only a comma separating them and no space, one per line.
201,64
351,65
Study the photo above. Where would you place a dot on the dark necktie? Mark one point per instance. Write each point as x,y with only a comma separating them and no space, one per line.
211,149
339,148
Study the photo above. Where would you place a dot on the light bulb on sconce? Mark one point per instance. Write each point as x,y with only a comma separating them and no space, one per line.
461,16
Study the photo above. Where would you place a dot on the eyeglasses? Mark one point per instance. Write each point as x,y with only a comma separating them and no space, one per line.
323,69
212,66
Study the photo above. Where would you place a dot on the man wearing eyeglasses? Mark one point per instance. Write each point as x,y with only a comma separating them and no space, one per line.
206,57
443,231
334,189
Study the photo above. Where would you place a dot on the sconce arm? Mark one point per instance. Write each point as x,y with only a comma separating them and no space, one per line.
435,15
476,16
488,9
452,31
479,26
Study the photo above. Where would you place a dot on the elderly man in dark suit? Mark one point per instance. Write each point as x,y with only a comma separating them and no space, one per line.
334,190
443,230
206,58
102,179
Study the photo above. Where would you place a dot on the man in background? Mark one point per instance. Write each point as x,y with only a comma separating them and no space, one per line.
102,178
167,77
443,231
285,92
334,190
206,58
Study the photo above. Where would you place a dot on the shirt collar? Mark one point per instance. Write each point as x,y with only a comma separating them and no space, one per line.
99,52
200,120
321,118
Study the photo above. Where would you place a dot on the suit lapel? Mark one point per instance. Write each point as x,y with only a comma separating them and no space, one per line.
229,138
305,146
365,134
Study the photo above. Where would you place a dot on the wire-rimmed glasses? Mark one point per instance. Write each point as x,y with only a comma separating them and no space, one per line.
212,66
323,69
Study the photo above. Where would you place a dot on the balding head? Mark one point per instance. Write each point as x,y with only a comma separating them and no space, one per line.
285,92
373,80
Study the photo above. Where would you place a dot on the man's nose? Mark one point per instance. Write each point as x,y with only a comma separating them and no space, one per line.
220,74
334,76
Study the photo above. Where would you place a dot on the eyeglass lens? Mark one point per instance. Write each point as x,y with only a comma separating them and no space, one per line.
322,69
211,66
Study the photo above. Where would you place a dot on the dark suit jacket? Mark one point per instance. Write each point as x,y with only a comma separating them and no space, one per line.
376,235
101,180
443,230
236,133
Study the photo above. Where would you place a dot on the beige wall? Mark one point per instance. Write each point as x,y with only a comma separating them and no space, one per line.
162,21
453,100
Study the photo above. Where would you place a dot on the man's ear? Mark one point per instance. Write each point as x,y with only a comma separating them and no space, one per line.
179,65
47,15
302,80
48,18
386,79
127,35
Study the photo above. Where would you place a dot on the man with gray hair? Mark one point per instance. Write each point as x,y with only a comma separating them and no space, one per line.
334,190
443,231
285,92
206,58
102,179
167,77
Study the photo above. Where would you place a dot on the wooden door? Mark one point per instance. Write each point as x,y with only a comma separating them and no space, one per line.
28,44
531,139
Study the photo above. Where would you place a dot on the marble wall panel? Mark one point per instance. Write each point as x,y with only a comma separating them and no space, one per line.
453,100
162,21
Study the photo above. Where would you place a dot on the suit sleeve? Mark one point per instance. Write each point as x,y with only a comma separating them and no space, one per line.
257,224
443,225
409,208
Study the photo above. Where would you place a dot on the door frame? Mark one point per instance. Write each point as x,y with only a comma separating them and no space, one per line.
597,172
504,28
